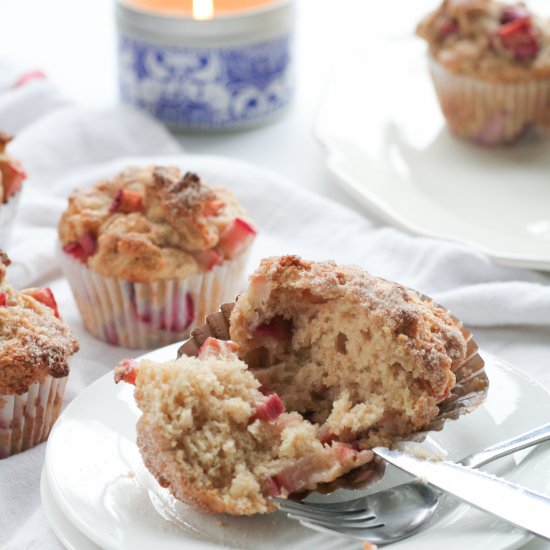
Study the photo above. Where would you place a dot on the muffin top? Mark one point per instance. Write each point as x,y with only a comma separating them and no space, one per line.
34,342
487,39
149,223
11,171
429,331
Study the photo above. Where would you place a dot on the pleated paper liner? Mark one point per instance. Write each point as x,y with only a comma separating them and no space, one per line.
26,419
469,391
491,113
149,315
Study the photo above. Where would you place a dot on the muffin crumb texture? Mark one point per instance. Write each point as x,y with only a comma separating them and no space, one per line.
34,342
365,359
209,434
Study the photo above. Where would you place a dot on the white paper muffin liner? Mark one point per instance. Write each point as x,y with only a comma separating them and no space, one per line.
7,217
26,420
149,315
492,113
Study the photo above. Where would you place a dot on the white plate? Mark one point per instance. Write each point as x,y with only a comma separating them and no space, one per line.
67,533
92,461
388,146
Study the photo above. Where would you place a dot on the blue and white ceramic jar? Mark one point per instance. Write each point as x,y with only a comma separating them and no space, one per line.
231,71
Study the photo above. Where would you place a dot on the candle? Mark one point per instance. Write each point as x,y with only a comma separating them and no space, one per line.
206,64
195,8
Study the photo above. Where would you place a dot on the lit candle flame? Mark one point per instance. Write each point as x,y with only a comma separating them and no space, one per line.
203,9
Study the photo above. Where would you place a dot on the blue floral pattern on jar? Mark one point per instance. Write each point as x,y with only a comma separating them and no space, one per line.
207,87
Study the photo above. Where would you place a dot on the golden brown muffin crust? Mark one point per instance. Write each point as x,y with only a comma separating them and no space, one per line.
463,35
186,203
176,218
395,307
33,341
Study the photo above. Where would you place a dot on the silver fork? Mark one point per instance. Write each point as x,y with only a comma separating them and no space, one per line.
396,513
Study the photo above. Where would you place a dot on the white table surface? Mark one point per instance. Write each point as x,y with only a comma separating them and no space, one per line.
73,41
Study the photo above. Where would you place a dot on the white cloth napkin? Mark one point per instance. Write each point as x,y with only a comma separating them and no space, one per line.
63,146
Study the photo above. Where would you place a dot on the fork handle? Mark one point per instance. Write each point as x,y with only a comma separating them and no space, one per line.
504,448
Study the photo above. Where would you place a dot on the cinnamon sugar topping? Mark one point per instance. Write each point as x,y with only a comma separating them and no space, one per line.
185,202
187,194
168,220
33,341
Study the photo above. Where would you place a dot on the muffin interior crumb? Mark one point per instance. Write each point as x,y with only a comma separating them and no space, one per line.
203,434
364,358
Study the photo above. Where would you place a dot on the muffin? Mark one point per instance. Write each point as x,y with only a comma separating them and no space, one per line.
149,252
324,362
366,359
212,435
35,348
490,64
11,179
